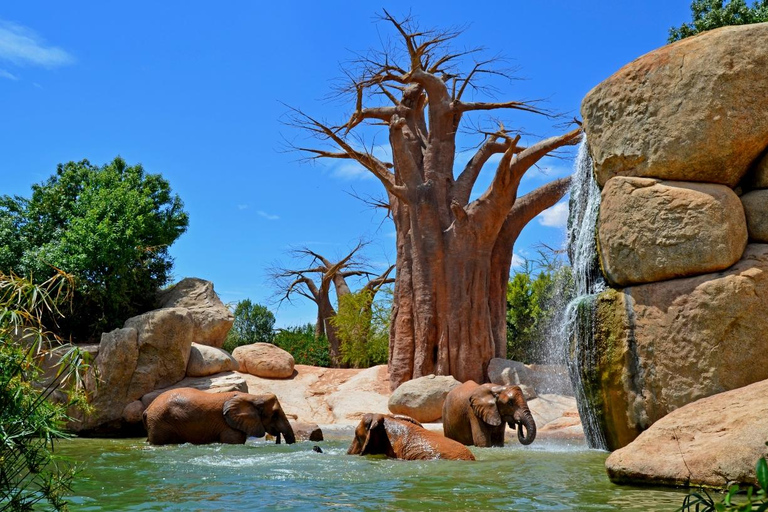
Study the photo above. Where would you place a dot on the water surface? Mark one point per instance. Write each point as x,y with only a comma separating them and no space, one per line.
128,474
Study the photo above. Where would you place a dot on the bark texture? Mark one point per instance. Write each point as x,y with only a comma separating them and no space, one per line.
453,252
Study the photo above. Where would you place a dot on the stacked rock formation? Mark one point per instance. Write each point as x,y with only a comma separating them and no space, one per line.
679,141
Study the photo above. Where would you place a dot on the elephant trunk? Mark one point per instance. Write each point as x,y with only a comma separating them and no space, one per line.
526,421
284,428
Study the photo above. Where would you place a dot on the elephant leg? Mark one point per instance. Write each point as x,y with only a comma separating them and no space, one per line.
232,436
481,438
497,436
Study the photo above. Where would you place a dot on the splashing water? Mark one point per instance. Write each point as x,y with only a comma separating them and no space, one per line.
577,336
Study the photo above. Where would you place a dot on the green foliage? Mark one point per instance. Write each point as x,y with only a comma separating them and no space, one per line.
29,422
110,227
709,14
735,500
253,324
301,343
533,301
362,325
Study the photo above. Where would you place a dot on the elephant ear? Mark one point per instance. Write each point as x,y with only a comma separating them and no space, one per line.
242,413
483,403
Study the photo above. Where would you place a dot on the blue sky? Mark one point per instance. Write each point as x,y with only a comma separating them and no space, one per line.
197,91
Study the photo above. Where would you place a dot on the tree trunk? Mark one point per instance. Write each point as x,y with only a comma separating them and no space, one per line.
449,316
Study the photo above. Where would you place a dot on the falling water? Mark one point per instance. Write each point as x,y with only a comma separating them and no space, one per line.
577,336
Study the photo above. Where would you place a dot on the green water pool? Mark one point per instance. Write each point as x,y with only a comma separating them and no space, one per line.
128,474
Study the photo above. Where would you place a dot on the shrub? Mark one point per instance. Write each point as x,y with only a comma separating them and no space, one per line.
253,324
29,422
362,326
301,343
533,302
110,227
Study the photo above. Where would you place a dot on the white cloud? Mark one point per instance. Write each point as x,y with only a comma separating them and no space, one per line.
556,216
22,46
348,170
268,216
351,171
6,74
517,260
242,207
547,173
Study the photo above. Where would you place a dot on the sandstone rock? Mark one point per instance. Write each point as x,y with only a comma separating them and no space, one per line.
422,398
205,360
306,431
552,379
533,379
694,110
51,361
651,230
660,346
164,342
220,383
132,413
508,372
212,319
264,360
761,173
712,442
548,408
328,395
756,210
109,378
366,391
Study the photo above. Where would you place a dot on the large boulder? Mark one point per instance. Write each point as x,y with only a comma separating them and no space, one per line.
212,319
760,179
264,360
164,342
651,230
711,442
109,379
422,398
694,110
205,360
660,346
756,210
536,378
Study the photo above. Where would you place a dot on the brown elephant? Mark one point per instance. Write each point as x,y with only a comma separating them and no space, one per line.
188,415
401,437
475,414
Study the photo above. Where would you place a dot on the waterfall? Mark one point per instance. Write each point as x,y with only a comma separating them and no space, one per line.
577,335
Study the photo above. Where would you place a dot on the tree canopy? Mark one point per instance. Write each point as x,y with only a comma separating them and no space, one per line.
110,227
253,324
709,14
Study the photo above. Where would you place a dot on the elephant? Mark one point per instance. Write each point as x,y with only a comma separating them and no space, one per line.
188,415
475,414
402,437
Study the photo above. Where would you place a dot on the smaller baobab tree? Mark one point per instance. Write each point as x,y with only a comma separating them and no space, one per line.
454,245
316,280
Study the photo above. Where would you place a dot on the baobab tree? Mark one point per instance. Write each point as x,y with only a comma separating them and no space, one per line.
453,252
314,282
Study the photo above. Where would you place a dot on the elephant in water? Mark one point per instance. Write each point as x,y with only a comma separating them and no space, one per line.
401,437
475,414
188,415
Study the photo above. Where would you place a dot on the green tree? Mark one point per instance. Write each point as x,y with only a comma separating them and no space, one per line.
30,473
110,227
709,14
253,324
362,325
303,344
534,296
